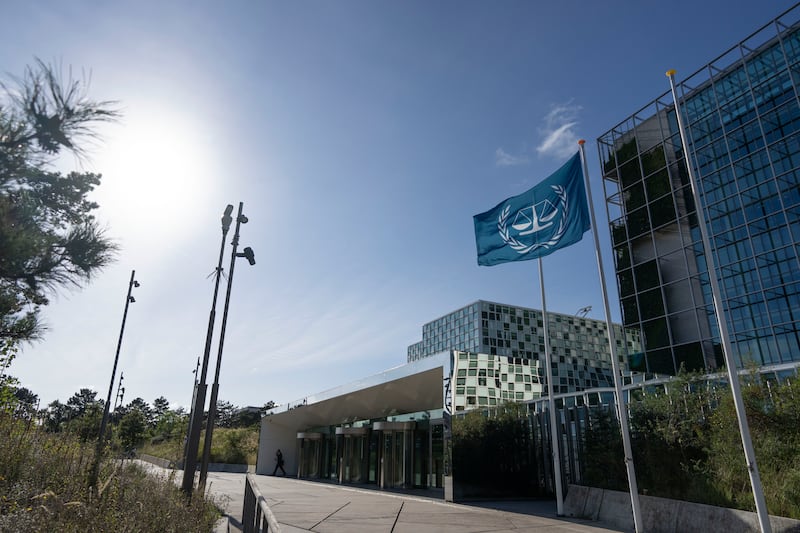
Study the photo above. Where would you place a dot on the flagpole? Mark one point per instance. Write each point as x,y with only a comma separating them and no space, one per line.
622,410
727,352
551,403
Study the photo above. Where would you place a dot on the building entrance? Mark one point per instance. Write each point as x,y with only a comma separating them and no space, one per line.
352,447
390,454
309,464
396,462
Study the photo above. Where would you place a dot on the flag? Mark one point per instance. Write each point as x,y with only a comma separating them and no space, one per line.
536,223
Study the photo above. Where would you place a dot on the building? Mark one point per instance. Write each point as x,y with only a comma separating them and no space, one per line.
579,346
387,429
742,116
391,429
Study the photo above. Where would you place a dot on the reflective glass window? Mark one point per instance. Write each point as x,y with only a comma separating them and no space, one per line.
731,85
773,92
781,122
766,64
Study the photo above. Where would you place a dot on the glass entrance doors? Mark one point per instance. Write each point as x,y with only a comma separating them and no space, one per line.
352,446
392,455
309,455
396,465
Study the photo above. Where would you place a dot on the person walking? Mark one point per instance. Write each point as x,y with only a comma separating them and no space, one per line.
279,462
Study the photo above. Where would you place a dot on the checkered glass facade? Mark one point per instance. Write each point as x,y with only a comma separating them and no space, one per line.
515,337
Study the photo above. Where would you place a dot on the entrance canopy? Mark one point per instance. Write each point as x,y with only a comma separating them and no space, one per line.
410,388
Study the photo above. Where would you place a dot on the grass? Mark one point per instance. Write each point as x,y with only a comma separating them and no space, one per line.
228,445
43,487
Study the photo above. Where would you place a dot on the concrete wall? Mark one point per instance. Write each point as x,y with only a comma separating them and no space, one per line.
661,515
273,437
163,463
212,467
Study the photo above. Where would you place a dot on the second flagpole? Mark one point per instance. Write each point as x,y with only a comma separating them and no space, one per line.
622,410
551,403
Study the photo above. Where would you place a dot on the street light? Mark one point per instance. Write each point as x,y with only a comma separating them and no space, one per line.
103,424
118,398
196,420
248,254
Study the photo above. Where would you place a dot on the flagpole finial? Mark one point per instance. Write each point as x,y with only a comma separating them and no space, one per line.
670,72
581,142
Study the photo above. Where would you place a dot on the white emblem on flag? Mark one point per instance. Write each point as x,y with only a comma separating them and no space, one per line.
533,219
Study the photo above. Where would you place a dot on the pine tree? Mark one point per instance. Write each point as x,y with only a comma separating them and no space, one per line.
49,238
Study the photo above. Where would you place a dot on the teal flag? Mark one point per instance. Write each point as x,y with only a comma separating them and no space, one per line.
550,216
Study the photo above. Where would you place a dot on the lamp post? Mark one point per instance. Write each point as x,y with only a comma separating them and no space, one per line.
196,420
104,423
120,392
196,373
212,406
117,400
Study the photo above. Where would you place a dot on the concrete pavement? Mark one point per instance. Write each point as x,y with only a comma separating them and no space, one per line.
301,506
327,508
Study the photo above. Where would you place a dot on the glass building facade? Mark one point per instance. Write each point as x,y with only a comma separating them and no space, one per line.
742,114
512,337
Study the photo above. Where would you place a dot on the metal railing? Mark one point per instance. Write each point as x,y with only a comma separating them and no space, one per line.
256,514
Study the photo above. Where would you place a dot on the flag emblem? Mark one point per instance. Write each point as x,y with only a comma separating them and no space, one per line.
551,215
533,219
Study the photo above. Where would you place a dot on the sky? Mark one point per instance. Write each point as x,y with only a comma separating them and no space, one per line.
361,136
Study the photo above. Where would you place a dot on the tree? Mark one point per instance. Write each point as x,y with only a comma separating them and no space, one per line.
131,429
82,401
48,234
138,404
87,425
55,415
160,408
225,415
8,350
27,403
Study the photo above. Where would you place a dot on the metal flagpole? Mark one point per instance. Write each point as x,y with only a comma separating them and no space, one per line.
622,410
727,352
551,403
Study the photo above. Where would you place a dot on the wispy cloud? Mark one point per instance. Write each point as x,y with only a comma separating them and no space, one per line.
504,159
558,132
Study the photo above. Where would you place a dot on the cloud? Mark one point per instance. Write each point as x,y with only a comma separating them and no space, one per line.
504,159
558,133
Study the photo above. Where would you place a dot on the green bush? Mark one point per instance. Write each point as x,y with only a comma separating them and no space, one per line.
234,446
686,445
492,452
228,445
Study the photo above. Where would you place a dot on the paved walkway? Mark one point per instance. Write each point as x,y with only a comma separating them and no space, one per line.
327,508
320,507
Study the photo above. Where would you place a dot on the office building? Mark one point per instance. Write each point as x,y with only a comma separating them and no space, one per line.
742,116
579,347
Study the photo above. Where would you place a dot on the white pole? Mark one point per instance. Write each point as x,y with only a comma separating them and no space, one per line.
622,410
733,377
551,403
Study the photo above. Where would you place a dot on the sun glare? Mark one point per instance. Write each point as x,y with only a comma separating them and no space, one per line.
157,172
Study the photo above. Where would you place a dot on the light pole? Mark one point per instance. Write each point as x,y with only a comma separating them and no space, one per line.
117,401
212,407
103,424
196,420
120,392
196,373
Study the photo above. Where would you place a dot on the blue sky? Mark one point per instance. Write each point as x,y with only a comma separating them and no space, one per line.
361,137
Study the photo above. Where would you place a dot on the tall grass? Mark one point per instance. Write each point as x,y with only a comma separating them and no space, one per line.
43,487
228,445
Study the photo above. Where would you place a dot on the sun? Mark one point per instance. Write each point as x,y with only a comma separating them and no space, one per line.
159,171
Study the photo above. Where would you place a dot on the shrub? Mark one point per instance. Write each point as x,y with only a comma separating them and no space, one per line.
686,445
43,487
492,452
